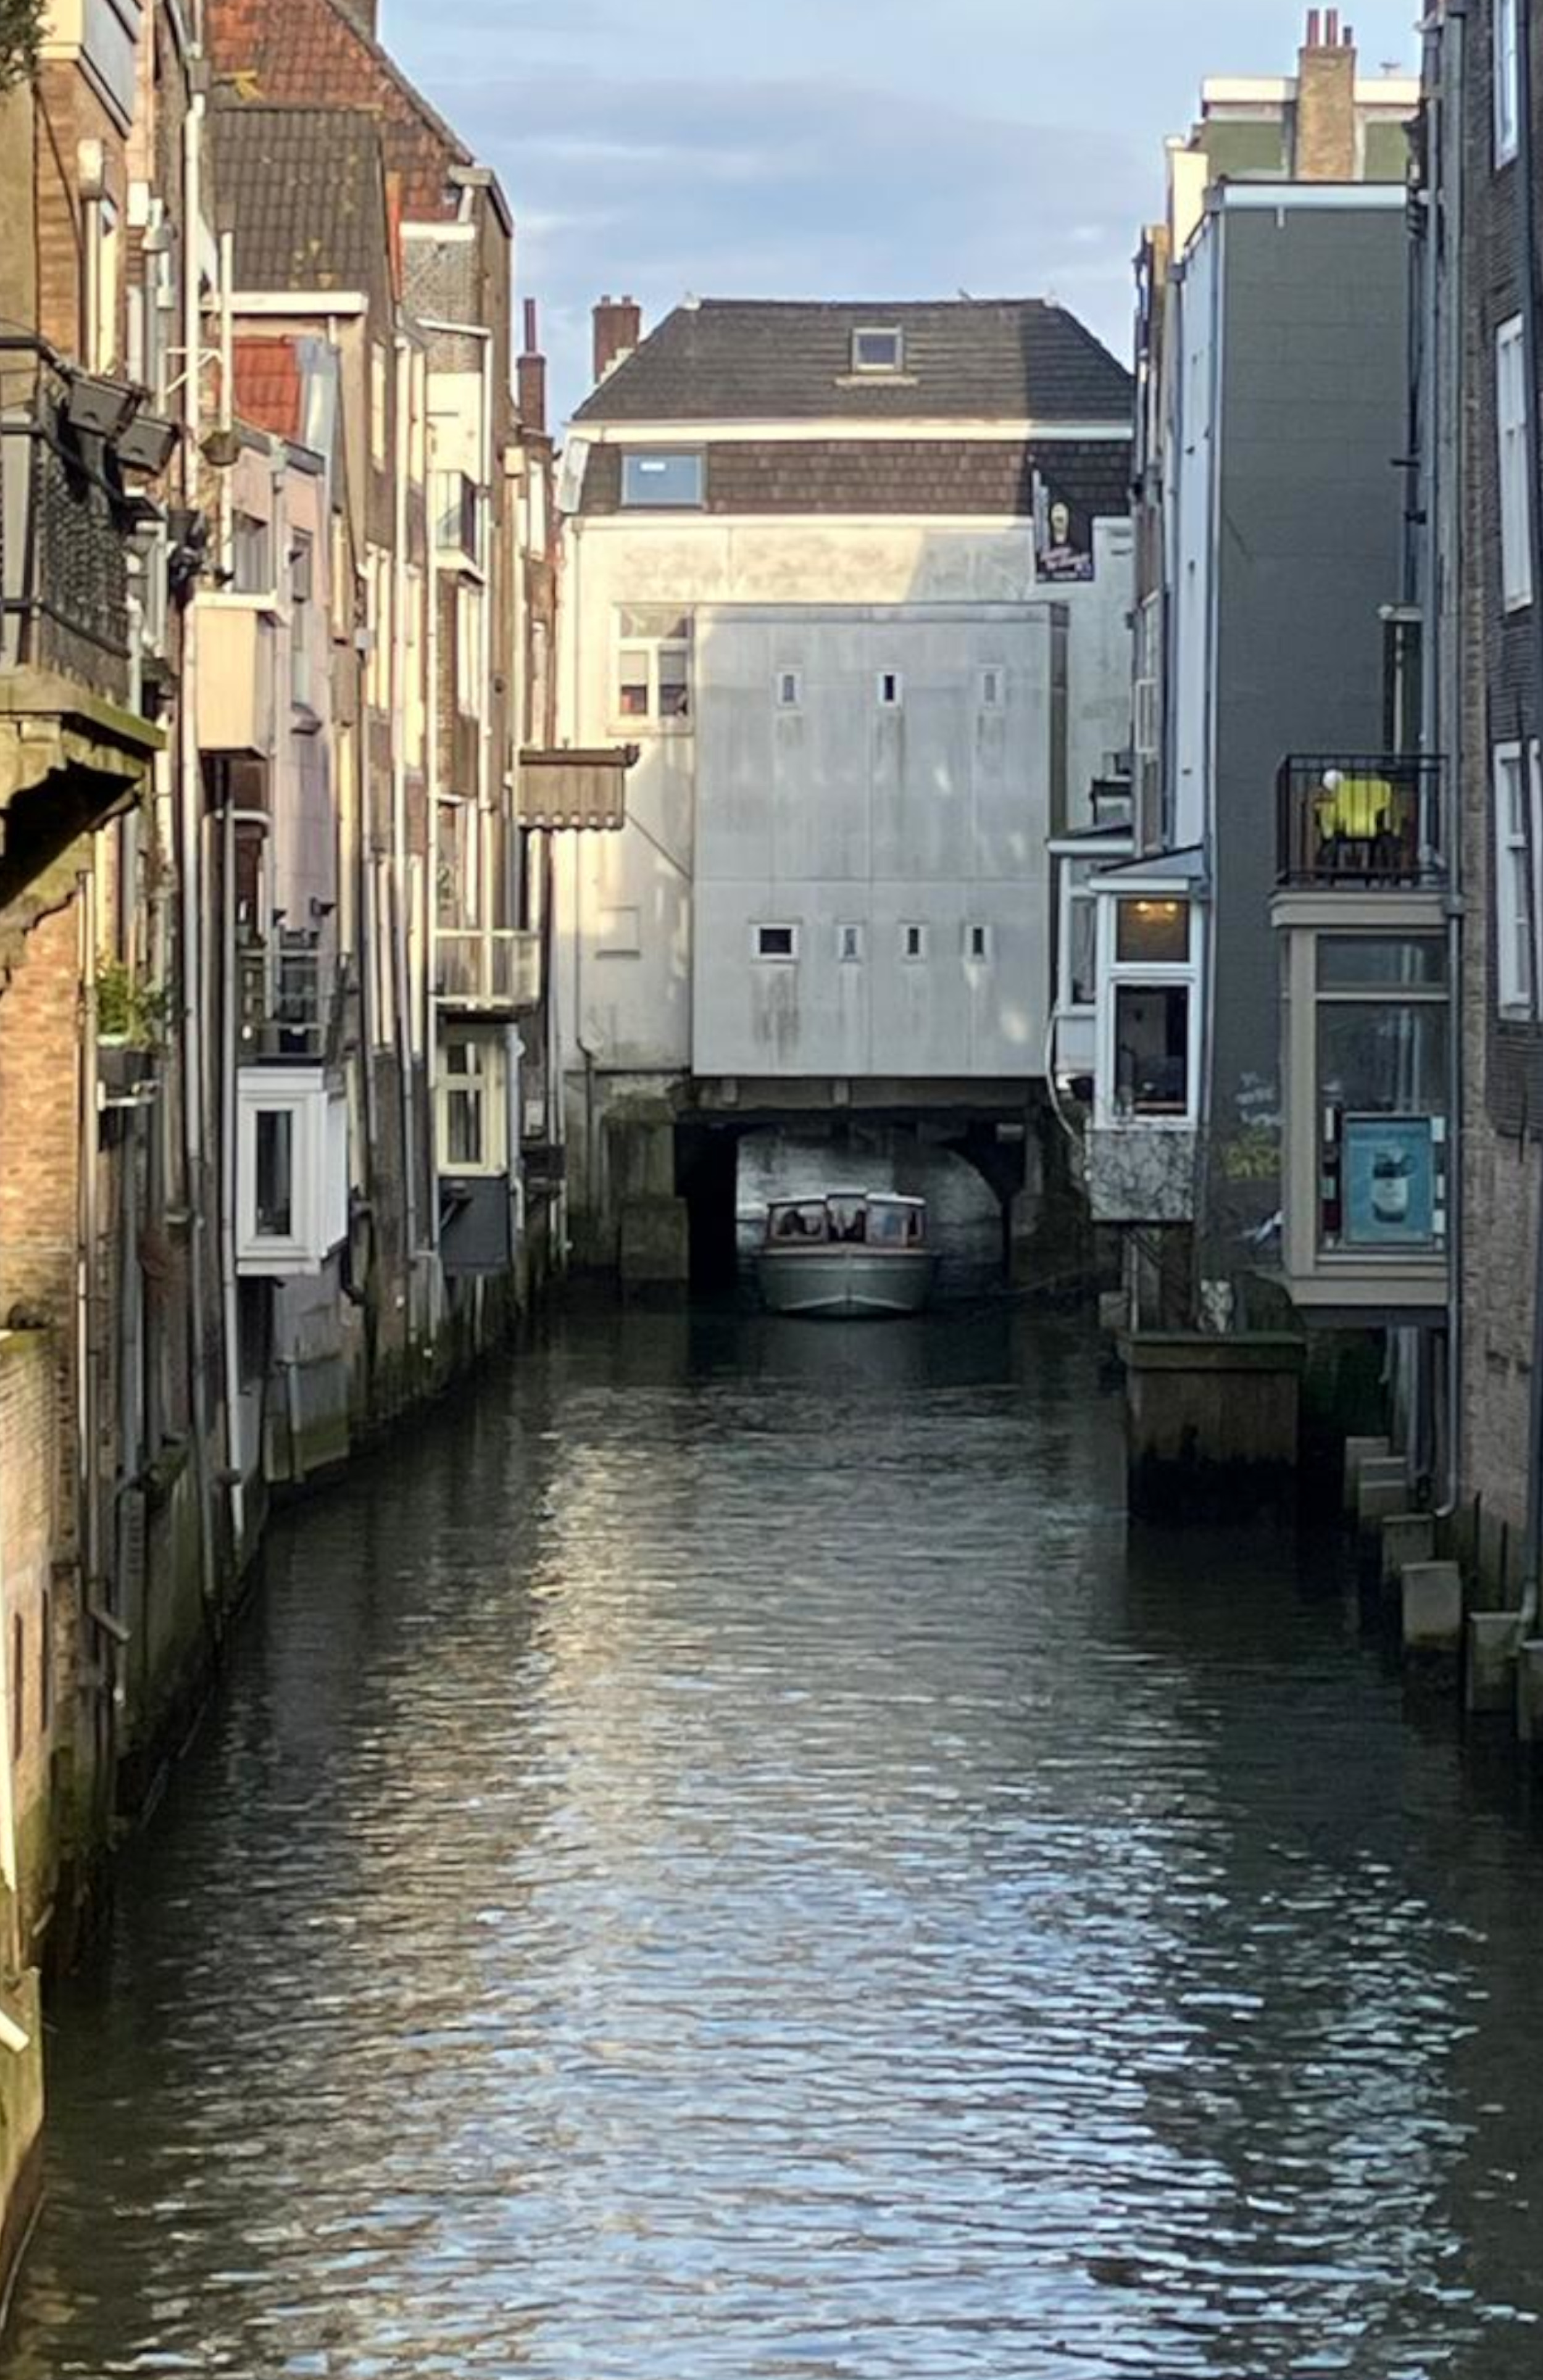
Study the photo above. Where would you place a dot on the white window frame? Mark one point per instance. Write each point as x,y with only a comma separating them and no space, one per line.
488,1084
653,648
319,1169
1507,80
637,462
1114,976
975,932
916,957
787,690
379,375
1512,447
993,686
1517,818
858,932
470,599
774,926
890,367
888,677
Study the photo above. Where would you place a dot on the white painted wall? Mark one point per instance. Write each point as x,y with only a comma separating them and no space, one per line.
1193,463
950,589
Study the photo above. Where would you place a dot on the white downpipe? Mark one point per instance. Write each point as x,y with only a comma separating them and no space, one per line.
403,972
190,838
87,1432
235,1468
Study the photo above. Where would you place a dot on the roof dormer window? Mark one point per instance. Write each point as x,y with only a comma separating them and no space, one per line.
877,351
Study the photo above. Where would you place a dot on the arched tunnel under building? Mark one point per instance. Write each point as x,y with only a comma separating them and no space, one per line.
972,1176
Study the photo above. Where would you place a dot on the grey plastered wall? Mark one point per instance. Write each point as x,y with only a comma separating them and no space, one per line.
1313,404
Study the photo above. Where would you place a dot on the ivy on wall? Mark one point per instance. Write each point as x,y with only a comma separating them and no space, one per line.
22,29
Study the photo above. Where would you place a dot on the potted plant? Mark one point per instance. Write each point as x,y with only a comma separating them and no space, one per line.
131,1018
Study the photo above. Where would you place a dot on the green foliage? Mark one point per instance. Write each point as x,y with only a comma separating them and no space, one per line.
22,23
128,1008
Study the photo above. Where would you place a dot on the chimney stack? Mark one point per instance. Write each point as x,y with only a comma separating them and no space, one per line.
530,375
1325,148
618,328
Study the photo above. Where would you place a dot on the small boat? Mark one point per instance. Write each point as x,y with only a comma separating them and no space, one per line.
847,1254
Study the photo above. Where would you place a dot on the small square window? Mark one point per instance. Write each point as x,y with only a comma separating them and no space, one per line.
878,350
913,941
849,944
992,689
892,690
978,943
790,689
776,942
619,934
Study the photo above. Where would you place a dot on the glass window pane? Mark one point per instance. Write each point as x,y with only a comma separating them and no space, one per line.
674,681
652,622
633,695
1151,1050
1348,961
662,479
1083,931
1153,933
275,1174
1383,1057
463,1128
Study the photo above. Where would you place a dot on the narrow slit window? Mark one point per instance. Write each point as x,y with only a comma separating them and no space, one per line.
892,690
990,689
790,689
913,941
978,943
275,1174
849,944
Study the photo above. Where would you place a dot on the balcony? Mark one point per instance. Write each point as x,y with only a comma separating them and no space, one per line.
1359,821
568,791
72,753
488,971
293,1003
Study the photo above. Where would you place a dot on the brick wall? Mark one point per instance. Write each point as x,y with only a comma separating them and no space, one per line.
896,476
1504,1099
69,111
29,1520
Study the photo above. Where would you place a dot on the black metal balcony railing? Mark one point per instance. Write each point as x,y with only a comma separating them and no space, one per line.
64,562
1356,819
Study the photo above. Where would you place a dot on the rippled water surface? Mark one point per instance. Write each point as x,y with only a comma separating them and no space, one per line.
719,1860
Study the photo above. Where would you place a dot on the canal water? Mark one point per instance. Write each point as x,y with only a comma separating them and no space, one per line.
722,1859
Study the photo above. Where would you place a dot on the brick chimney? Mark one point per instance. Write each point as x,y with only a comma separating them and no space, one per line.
530,375
1326,102
618,328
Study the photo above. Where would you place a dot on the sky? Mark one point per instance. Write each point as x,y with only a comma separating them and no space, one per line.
837,148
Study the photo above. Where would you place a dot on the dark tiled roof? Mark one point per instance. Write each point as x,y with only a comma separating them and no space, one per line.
1002,359
314,51
306,189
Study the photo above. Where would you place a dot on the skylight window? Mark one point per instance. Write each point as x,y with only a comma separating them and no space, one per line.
877,350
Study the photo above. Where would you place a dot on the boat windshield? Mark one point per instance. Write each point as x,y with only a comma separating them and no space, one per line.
894,1223
848,1219
806,1221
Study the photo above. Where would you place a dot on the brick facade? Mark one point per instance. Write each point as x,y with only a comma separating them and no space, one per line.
1503,1060
992,478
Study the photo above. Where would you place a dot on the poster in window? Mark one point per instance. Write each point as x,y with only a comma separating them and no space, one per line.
1063,540
1390,1197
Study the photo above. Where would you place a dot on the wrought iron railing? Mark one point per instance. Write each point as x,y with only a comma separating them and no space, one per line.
64,560
1357,818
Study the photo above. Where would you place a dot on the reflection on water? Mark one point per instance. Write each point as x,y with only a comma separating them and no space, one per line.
719,1860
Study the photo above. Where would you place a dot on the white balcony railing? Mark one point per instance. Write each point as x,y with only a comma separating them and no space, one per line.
489,971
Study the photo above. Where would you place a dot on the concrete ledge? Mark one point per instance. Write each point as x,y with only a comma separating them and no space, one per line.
1494,1641
1432,1607
1359,1451
1383,1492
1201,1352
1406,1537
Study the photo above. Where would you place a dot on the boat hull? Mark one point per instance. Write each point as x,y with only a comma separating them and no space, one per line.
845,1285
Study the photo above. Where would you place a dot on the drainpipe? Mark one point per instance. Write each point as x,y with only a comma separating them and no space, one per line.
401,966
87,1253
1442,693
189,840
1527,195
